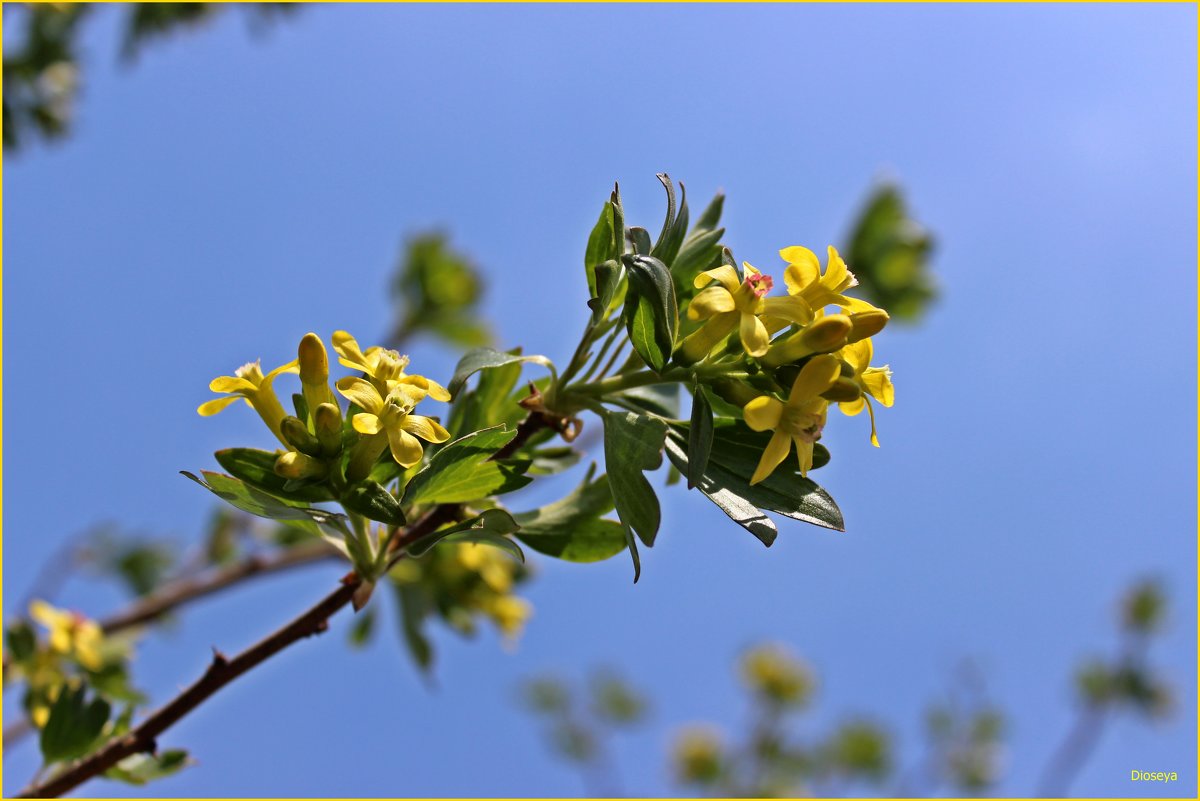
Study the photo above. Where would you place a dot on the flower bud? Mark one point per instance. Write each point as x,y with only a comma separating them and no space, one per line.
327,421
823,335
296,434
738,393
314,371
866,324
296,465
842,391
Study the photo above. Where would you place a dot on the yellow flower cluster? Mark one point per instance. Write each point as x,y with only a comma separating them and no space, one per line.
385,393
833,347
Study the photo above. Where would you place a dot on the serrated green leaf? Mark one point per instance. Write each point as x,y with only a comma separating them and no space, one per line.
74,725
700,437
462,472
573,528
633,443
651,312
257,467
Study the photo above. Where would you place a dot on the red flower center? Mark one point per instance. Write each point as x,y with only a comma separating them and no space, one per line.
760,284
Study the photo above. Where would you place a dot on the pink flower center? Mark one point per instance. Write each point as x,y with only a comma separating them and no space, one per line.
759,284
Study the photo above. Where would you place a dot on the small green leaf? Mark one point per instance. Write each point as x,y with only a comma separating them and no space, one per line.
462,472
74,724
599,246
610,280
698,253
631,543
573,528
659,399
675,228
482,358
700,437
373,501
711,215
651,312
633,443
486,405
484,537
640,238
250,499
141,769
495,522
258,468
548,461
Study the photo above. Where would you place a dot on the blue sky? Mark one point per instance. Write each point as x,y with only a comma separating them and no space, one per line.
230,192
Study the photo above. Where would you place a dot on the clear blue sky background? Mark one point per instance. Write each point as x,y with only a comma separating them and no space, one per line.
230,192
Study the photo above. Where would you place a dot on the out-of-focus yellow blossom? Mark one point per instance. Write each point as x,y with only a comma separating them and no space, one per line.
509,613
732,302
70,634
249,383
493,567
875,382
774,673
799,420
391,419
384,367
698,755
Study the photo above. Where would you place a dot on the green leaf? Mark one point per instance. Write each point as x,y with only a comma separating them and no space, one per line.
484,537
700,437
675,228
739,509
631,543
633,443
573,528
610,279
486,405
20,640
651,312
735,453
699,252
600,247
372,500
640,238
711,215
74,724
258,468
659,399
363,627
482,358
253,500
494,522
548,461
415,605
141,769
461,472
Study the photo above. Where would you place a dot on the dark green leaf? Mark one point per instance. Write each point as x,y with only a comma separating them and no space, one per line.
141,769
610,277
250,499
74,724
640,238
573,528
486,405
461,472
548,461
374,502
659,399
740,510
633,443
700,437
631,543
675,229
258,468
20,640
600,246
711,215
495,522
651,312
699,252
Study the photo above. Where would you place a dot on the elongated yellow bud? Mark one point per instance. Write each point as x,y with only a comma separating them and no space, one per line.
327,422
296,433
866,324
314,371
297,465
824,335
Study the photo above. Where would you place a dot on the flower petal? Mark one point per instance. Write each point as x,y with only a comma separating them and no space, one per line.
775,452
709,301
837,277
291,367
791,308
406,449
209,408
228,383
815,377
725,275
426,428
878,381
762,413
755,338
852,408
361,393
804,454
367,423
858,354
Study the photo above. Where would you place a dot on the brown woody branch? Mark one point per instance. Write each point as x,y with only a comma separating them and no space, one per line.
222,670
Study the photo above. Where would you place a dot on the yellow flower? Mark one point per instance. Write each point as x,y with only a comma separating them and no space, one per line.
70,634
390,419
875,382
736,303
799,420
804,278
384,368
249,383
493,567
509,613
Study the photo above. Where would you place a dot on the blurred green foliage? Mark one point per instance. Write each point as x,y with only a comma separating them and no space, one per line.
42,69
437,290
889,253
